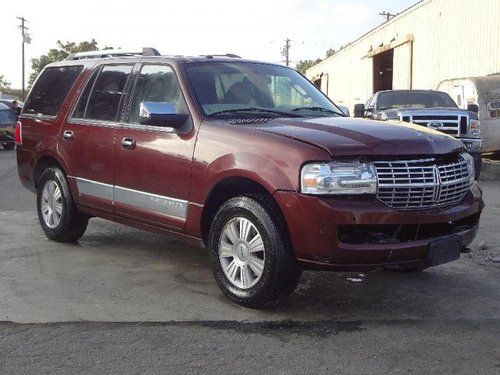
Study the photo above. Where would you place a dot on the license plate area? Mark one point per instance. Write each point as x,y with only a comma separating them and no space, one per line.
443,250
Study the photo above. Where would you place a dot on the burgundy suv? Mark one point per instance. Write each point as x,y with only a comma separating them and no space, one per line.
245,158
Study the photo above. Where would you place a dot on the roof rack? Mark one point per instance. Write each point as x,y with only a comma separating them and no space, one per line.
230,55
146,51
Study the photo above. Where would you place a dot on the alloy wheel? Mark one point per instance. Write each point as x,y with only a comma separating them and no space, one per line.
241,253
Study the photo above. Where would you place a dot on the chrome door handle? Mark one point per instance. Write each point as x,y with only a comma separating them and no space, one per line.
68,135
128,143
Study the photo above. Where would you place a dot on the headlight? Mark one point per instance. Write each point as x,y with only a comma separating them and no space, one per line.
470,166
474,128
338,178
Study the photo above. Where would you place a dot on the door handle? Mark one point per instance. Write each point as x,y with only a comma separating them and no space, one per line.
68,135
128,143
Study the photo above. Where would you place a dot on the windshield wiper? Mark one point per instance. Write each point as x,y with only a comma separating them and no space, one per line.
316,109
254,109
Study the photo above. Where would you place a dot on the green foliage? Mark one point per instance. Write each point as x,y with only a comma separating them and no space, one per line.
60,53
6,89
330,52
303,65
4,84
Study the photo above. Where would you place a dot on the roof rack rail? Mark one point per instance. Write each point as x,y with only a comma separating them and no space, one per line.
230,55
146,51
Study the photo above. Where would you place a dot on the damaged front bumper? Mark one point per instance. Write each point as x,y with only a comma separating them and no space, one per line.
363,233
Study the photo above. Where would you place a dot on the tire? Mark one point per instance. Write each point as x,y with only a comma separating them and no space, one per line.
250,272
57,213
411,269
8,146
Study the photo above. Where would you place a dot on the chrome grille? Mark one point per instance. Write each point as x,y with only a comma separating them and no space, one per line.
449,124
421,184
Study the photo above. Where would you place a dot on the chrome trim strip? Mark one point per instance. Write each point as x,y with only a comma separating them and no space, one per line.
122,125
151,202
94,188
34,116
146,201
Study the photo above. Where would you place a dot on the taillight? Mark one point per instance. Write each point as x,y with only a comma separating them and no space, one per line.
18,138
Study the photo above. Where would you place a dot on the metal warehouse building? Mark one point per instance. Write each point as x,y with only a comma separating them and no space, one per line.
432,41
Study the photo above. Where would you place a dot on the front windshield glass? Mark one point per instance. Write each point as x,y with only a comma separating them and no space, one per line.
414,99
225,88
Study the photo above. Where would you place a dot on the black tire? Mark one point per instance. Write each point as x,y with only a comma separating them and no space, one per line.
410,269
280,274
9,146
72,224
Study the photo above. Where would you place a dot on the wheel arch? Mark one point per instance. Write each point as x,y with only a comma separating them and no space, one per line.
231,187
44,162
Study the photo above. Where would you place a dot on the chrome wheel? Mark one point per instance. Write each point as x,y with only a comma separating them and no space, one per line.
51,204
241,253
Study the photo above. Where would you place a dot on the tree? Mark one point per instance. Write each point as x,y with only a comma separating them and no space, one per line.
330,52
60,53
303,65
4,84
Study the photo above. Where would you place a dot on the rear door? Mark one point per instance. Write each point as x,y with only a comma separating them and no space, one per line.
88,138
153,164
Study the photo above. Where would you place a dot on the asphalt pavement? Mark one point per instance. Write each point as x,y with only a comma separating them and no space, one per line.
126,301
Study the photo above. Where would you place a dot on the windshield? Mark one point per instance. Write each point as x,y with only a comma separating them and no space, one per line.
228,88
418,99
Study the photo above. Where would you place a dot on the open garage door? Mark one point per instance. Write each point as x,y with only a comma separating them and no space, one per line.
392,64
383,70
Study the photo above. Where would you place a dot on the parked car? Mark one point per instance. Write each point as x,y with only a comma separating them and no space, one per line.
247,159
485,93
10,103
433,109
7,126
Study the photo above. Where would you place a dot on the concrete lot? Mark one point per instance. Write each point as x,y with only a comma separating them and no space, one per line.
127,301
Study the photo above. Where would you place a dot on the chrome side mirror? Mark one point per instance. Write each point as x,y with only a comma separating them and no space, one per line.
161,114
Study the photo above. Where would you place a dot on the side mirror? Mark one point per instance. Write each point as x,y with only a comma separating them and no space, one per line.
359,110
161,114
473,108
344,110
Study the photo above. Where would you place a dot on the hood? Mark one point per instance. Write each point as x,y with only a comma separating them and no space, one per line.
436,110
343,136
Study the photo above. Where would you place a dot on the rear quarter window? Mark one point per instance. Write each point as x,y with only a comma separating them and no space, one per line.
50,90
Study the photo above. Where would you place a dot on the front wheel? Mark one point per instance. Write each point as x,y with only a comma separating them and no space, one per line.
57,213
251,257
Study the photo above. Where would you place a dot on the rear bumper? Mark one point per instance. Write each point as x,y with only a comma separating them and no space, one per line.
318,228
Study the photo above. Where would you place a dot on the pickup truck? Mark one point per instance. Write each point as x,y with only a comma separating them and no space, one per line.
433,109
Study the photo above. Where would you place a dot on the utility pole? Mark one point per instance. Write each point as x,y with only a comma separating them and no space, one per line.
285,51
387,15
25,39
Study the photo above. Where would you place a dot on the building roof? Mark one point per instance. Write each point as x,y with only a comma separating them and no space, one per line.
400,15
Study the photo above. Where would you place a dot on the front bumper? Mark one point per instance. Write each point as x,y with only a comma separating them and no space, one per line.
317,227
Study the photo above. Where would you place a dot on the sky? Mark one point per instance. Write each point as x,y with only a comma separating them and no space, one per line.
254,29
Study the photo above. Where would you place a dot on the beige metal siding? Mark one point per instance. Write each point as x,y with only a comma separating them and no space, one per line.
451,39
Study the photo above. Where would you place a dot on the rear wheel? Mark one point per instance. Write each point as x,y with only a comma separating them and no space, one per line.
57,213
251,257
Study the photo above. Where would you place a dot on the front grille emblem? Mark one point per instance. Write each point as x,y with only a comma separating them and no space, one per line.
435,124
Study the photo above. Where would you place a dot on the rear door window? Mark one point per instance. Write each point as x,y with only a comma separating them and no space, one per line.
102,97
50,90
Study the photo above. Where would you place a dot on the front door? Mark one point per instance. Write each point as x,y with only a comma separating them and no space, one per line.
88,138
153,164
